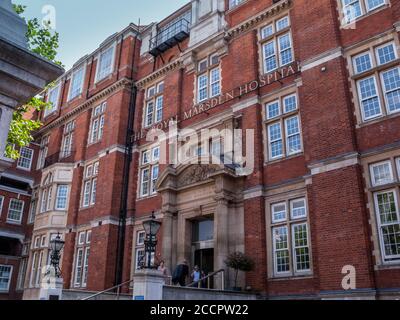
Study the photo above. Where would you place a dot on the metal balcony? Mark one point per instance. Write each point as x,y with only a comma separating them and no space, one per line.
169,37
60,157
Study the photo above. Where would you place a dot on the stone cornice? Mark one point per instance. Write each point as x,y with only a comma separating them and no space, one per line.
255,20
169,67
83,107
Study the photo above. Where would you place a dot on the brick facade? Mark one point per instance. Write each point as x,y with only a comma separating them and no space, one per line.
328,169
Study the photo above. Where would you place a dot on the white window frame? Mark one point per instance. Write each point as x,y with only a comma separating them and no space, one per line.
287,136
385,258
97,123
78,265
54,106
361,100
58,197
71,94
270,141
294,247
99,77
273,206
89,185
206,74
30,159
371,168
138,236
44,147
21,213
390,43
9,279
276,272
384,92
148,161
354,58
291,208
235,3
280,62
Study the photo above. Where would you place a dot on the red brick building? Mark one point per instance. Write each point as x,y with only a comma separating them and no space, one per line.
317,82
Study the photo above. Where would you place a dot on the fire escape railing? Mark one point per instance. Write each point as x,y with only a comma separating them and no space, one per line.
170,36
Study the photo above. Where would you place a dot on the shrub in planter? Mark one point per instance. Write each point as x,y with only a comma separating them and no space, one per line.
239,262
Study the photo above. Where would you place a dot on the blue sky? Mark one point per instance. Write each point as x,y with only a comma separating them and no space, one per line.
84,24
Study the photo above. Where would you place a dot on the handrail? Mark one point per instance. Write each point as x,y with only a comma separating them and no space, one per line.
107,290
208,277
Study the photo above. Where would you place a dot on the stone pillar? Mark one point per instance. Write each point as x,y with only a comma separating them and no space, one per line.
148,285
167,239
51,288
221,245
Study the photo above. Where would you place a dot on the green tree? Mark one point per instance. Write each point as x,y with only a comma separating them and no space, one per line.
44,42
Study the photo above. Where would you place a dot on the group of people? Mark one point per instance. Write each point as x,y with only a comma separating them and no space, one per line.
181,274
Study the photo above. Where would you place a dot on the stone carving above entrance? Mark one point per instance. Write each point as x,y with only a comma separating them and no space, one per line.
196,173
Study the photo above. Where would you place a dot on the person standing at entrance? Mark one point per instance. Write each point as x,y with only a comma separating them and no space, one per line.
196,277
180,274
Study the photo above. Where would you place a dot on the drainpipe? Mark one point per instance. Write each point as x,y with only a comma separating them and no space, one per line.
125,183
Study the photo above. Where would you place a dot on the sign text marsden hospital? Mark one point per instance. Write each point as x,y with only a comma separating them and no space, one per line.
195,110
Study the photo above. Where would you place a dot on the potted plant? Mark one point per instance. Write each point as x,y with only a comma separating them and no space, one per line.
239,262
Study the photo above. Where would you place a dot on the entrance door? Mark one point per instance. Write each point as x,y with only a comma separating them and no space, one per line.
204,258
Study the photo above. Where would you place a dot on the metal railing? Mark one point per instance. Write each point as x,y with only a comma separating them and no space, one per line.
60,157
207,278
170,32
118,293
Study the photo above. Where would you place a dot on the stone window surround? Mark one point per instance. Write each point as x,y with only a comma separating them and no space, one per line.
85,247
370,190
285,194
354,51
149,165
206,55
291,89
261,41
147,99
87,179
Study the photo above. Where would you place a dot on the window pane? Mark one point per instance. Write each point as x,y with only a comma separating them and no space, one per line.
61,201
275,139
381,173
391,239
76,84
278,212
215,82
267,31
282,23
391,83
369,98
5,277
273,110
25,159
15,210
202,87
159,108
386,207
351,9
293,135
270,62
105,64
300,245
285,49
362,63
290,103
386,53
298,208
281,249
373,4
